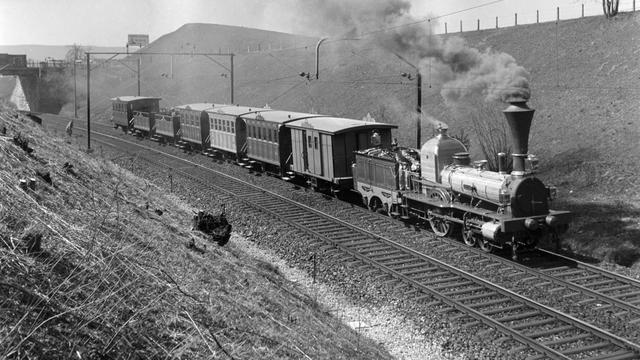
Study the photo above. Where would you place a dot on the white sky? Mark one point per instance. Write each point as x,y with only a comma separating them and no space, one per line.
107,22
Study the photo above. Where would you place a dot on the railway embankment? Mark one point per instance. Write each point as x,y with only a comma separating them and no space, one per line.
98,262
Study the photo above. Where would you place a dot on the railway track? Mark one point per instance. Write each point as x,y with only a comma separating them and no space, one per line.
579,282
541,331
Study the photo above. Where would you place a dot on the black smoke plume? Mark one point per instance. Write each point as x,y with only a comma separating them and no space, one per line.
463,70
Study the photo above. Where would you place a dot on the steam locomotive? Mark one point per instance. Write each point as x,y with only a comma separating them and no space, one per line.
439,185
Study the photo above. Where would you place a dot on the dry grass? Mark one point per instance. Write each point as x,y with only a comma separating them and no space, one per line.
90,270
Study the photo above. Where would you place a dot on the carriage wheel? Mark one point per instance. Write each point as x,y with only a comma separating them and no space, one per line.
485,245
469,238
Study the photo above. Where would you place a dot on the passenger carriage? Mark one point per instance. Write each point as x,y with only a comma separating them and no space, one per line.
268,141
323,148
228,131
194,126
167,127
124,108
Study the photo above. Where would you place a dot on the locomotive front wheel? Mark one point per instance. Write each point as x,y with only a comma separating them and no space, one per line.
469,238
485,245
440,227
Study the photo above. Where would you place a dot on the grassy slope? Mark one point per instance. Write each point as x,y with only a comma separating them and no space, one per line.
114,278
584,75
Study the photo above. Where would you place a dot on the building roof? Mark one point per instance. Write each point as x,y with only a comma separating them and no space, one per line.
335,125
134,98
279,116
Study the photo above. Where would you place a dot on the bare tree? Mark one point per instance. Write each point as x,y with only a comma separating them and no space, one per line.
610,8
76,52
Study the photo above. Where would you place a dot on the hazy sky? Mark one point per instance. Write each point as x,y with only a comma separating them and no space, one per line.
107,22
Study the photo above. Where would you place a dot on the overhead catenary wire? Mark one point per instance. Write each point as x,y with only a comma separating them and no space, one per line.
380,30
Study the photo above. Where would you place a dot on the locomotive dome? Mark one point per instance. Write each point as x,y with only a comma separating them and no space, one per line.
437,153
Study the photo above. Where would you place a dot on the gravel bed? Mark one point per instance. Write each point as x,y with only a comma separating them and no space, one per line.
365,293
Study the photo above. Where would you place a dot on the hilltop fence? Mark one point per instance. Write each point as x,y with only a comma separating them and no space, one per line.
539,16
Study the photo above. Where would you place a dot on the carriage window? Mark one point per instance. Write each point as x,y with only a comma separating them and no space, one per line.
309,141
233,127
226,126
315,141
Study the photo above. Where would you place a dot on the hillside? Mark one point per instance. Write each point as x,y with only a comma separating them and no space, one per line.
583,71
98,263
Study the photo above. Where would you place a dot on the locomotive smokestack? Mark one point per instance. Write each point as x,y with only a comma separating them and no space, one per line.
519,117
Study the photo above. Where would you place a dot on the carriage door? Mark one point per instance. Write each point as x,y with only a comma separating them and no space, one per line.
315,152
305,152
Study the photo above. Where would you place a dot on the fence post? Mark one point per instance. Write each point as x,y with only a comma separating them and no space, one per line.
537,16
460,25
634,5
516,22
496,22
445,28
478,24
583,10
558,11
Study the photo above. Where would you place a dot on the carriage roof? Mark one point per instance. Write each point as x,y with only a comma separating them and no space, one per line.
195,107
336,125
279,116
234,110
128,99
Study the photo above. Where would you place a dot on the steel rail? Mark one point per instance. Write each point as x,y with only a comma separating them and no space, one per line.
590,267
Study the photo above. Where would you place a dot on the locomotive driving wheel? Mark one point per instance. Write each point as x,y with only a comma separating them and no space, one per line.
439,226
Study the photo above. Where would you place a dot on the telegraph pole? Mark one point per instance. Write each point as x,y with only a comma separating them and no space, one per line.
75,92
139,61
88,103
419,97
419,109
231,76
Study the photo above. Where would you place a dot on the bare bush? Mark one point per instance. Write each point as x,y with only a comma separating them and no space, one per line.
490,128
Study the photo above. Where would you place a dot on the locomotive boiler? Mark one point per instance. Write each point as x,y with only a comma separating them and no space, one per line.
489,209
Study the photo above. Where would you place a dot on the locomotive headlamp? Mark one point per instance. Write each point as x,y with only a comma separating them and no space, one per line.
552,192
531,224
